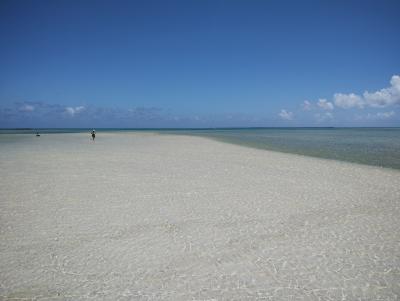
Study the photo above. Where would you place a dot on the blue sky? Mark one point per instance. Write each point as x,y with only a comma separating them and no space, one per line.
199,63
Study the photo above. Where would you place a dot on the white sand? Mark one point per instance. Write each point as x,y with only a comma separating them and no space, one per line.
157,217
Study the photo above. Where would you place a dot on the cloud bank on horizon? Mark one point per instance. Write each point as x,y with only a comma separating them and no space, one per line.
381,99
41,114
370,108
30,114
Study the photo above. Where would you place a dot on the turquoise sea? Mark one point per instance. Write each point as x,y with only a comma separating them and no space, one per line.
371,146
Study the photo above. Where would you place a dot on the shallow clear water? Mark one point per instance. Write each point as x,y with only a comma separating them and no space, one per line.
372,146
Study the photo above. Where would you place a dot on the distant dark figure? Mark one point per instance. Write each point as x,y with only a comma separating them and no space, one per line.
93,135
37,134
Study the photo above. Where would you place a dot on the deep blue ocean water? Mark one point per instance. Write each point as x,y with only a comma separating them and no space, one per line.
372,146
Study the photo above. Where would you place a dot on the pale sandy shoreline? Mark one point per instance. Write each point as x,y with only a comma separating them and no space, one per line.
141,216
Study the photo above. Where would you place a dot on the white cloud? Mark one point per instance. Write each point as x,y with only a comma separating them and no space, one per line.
72,111
323,117
376,116
79,109
27,108
378,99
385,97
381,115
346,101
326,105
385,115
306,105
286,115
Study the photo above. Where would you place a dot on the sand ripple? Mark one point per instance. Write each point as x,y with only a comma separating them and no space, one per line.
157,217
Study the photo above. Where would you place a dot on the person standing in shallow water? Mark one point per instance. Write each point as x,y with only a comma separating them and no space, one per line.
93,134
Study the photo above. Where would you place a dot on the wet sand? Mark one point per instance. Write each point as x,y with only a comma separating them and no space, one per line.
142,216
